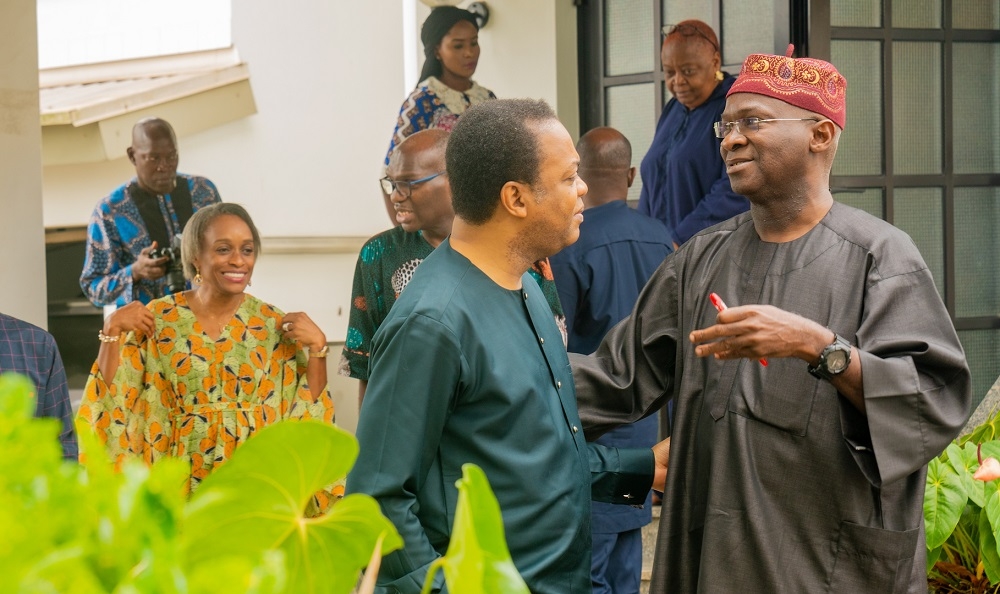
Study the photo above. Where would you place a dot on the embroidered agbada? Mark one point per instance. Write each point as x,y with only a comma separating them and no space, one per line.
179,393
777,484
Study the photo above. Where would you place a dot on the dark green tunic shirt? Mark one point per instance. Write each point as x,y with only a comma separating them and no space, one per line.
464,370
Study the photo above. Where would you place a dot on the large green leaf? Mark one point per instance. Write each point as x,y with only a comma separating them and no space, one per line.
944,499
258,500
965,462
478,560
988,545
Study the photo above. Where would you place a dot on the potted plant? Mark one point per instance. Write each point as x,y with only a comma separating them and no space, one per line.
962,513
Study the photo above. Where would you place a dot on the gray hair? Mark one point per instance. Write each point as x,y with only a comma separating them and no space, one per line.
194,232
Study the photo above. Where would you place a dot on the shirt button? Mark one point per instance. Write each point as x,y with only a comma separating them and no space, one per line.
559,385
525,295
575,429
541,340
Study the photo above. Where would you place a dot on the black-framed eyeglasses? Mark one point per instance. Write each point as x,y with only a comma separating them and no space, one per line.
743,125
404,187
687,31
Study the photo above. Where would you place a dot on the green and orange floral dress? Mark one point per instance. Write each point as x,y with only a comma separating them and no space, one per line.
179,393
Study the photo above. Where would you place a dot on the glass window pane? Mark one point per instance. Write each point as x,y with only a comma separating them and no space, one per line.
916,101
751,30
977,241
976,120
982,351
975,14
675,11
868,200
630,110
918,212
859,13
916,14
860,148
629,37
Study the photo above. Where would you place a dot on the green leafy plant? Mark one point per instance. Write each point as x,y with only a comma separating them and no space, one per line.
73,529
962,515
478,560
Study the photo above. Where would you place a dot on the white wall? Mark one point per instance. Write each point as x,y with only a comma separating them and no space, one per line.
22,249
528,50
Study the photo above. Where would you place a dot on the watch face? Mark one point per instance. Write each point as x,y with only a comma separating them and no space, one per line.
836,361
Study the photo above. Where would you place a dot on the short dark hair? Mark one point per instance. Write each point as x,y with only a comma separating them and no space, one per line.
194,232
491,145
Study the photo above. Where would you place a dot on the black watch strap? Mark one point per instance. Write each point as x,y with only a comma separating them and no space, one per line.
834,360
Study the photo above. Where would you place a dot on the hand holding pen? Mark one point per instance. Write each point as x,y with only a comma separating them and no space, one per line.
720,305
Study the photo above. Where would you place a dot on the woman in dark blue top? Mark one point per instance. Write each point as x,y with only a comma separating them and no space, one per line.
684,181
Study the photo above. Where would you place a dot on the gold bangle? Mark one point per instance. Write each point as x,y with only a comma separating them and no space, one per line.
105,338
320,354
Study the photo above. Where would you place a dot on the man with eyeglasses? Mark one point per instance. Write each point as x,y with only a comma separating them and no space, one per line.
806,412
419,190
130,226
468,367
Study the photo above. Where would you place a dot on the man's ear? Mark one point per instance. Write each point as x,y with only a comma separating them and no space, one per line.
631,176
513,199
131,154
824,134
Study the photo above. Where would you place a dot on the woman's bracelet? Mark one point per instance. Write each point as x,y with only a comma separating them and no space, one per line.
319,353
105,338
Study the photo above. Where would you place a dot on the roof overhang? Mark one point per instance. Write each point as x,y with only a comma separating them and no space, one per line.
87,112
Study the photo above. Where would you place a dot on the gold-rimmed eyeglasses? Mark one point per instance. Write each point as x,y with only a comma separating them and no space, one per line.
743,125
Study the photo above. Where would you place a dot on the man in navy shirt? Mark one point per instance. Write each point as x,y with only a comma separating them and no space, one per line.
31,351
599,278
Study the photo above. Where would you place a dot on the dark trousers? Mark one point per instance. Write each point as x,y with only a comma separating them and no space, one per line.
616,562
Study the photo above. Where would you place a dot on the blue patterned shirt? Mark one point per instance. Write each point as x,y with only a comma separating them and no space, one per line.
117,234
31,351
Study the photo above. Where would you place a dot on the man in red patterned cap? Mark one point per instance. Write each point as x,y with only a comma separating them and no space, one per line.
806,412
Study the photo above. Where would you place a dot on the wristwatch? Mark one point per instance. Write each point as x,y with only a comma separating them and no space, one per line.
834,359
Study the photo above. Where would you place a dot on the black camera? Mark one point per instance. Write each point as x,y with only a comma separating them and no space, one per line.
175,267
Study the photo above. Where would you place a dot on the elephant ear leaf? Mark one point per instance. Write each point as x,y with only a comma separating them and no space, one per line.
259,501
944,500
478,560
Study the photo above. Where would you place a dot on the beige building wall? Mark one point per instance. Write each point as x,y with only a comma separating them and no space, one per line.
22,248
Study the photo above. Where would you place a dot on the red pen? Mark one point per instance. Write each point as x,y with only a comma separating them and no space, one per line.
721,306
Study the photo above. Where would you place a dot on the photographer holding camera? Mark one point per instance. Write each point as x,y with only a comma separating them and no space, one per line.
131,245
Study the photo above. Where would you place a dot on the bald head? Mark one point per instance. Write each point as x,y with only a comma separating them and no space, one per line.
148,129
430,143
154,154
426,205
605,165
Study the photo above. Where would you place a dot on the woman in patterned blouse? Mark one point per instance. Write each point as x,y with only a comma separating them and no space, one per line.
195,374
450,37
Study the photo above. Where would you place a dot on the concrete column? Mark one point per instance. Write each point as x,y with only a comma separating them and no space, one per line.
22,233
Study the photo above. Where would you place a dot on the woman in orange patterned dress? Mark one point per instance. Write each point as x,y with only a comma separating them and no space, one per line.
195,374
